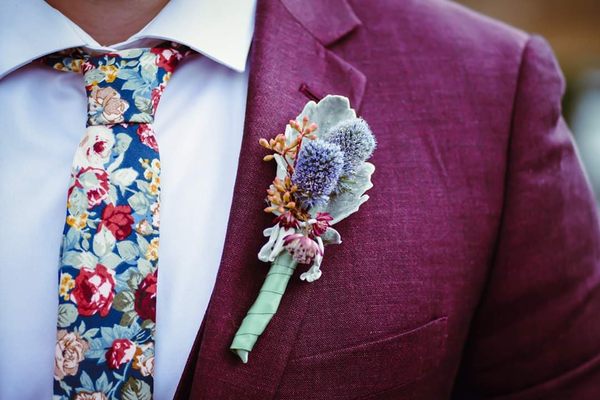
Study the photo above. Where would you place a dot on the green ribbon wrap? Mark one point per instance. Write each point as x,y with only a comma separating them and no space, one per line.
265,305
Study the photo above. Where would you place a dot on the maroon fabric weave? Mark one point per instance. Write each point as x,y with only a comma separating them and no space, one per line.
473,272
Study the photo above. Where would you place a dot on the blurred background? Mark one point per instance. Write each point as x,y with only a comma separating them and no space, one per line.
573,29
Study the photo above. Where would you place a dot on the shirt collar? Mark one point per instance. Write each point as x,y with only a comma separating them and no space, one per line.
221,30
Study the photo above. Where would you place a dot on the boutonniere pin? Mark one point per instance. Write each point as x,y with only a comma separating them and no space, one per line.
322,177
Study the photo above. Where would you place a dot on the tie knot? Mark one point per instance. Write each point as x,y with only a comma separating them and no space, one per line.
123,86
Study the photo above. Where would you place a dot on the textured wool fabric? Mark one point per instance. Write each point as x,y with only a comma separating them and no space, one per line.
473,271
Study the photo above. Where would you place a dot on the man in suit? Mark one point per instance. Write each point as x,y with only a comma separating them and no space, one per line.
473,271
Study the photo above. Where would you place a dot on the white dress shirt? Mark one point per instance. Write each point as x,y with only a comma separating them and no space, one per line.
199,125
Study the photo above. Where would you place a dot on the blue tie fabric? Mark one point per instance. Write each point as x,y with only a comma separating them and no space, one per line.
109,255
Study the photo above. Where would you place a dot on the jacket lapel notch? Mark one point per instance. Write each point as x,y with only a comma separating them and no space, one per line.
327,20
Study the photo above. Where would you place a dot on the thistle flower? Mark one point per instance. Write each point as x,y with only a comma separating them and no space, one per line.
302,248
317,171
356,141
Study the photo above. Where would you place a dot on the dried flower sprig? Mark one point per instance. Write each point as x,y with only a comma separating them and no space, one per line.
282,200
282,194
290,151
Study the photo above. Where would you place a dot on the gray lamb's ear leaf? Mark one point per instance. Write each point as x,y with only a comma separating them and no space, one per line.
331,236
348,202
328,112
281,166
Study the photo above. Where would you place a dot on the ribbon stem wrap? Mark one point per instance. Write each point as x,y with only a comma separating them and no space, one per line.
265,305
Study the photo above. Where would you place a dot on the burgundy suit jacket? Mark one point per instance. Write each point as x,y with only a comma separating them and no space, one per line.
473,272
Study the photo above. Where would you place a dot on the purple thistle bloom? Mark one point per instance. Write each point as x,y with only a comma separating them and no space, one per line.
355,140
318,169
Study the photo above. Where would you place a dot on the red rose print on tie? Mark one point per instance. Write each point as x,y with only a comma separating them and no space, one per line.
94,182
118,220
121,352
156,95
146,134
83,395
94,291
167,58
145,298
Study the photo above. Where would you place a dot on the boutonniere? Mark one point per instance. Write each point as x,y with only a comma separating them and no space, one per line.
322,177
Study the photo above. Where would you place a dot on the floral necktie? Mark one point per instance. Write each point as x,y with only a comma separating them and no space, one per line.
109,254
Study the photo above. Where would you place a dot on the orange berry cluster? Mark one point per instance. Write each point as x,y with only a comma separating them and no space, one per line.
281,192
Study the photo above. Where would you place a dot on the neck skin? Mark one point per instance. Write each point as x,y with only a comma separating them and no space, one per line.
109,21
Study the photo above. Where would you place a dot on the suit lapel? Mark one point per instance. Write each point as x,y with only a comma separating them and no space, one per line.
289,64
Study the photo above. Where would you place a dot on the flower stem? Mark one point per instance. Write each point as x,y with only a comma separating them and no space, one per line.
265,306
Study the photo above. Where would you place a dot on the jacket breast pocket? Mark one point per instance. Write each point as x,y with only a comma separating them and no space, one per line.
367,369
